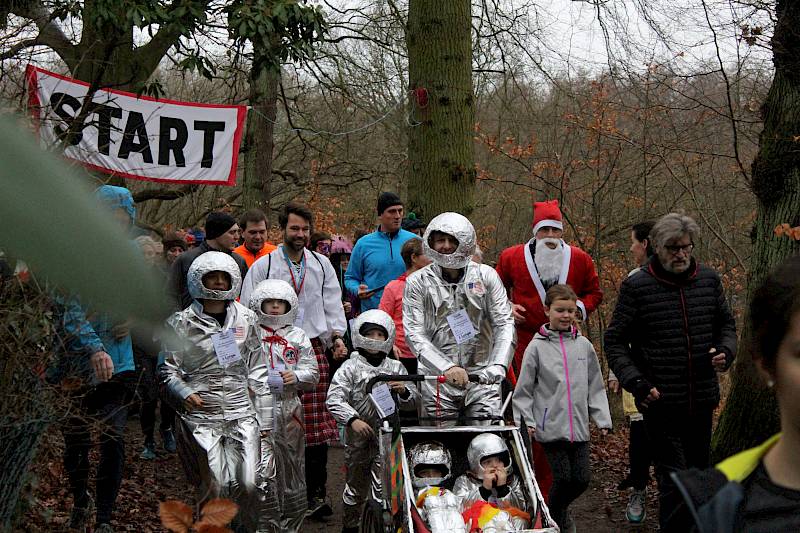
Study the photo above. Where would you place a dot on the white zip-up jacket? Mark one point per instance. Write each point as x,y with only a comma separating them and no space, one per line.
560,386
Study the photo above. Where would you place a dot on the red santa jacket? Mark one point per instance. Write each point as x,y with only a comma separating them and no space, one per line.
513,270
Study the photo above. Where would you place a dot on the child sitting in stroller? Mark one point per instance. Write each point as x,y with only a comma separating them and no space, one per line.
492,496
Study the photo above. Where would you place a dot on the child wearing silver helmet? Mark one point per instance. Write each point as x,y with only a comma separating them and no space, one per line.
491,480
349,403
286,365
430,466
208,355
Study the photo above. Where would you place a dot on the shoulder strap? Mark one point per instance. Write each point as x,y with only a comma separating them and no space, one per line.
323,271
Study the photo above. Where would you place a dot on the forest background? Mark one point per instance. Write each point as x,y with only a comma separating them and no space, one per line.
622,110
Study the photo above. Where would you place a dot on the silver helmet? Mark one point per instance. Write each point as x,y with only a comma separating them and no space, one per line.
483,446
426,455
211,262
373,316
459,227
274,289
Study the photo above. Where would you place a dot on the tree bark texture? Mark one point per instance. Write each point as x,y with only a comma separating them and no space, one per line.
259,141
750,415
440,149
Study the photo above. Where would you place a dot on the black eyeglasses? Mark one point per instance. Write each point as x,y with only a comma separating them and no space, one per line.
674,250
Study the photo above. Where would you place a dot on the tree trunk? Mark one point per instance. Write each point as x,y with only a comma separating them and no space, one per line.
750,414
259,140
440,147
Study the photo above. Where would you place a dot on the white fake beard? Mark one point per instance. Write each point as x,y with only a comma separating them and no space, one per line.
549,262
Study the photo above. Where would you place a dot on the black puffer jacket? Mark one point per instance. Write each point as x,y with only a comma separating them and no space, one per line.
663,327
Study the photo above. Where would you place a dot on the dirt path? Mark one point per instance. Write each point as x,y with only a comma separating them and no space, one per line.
599,510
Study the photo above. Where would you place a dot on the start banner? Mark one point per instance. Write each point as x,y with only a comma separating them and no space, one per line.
138,137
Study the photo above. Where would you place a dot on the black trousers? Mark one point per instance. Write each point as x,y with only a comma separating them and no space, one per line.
147,392
316,471
679,439
569,462
639,457
102,407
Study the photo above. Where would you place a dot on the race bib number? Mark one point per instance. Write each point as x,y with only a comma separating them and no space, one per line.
226,348
275,381
382,397
461,326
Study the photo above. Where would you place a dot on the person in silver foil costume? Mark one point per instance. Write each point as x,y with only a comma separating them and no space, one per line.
286,364
207,360
458,321
430,465
491,479
349,403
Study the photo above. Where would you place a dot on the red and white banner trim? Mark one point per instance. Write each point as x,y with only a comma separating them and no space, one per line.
139,137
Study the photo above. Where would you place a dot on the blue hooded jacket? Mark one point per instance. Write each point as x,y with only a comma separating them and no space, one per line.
82,333
376,261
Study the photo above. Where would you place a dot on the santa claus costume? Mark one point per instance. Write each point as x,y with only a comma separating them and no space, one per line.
525,269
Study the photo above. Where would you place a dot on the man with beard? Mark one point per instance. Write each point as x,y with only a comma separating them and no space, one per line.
529,269
321,316
672,331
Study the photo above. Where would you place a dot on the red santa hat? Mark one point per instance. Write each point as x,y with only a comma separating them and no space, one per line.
546,214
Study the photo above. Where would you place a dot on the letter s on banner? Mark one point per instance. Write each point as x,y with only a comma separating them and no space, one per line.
140,138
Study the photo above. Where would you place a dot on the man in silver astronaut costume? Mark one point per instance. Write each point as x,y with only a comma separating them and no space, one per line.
493,482
430,466
206,379
350,404
458,321
286,364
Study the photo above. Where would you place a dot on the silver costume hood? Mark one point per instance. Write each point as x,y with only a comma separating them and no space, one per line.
432,454
211,262
274,289
459,227
373,316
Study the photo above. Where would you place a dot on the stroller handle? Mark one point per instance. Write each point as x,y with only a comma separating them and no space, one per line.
474,378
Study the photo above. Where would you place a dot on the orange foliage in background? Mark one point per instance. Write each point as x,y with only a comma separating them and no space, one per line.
785,230
178,517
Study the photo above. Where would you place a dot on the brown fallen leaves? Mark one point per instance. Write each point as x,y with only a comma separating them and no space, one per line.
178,517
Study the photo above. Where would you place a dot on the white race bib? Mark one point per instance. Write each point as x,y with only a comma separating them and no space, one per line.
382,397
461,326
226,348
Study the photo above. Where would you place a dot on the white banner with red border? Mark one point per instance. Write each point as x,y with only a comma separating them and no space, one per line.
138,137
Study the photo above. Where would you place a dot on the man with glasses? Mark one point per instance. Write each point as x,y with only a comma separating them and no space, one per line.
671,333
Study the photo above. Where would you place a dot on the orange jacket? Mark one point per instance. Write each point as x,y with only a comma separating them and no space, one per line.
248,256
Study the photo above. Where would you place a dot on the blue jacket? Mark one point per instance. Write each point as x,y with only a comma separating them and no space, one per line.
376,261
80,336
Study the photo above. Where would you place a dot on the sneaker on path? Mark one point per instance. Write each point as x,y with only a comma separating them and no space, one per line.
168,437
149,452
80,516
318,509
636,511
104,528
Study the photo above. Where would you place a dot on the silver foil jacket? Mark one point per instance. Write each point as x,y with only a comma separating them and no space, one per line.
468,490
442,512
281,471
427,302
218,441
